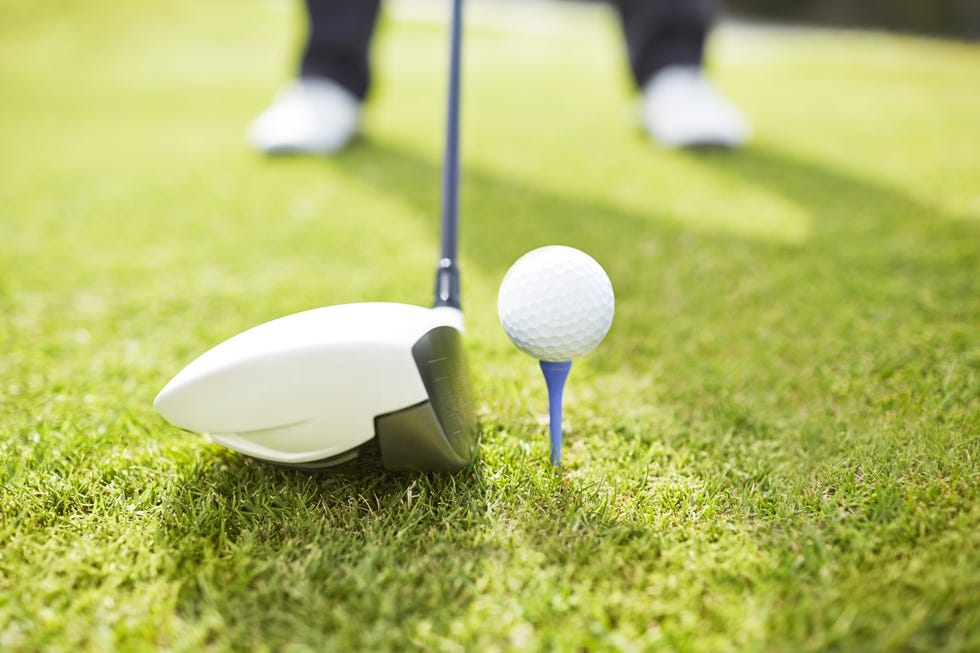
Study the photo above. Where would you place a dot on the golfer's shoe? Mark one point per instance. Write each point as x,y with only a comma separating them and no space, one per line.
315,116
680,108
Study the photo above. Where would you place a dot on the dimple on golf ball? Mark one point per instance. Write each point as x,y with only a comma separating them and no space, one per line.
556,303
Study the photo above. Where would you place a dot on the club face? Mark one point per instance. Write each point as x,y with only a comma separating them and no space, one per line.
439,434
386,382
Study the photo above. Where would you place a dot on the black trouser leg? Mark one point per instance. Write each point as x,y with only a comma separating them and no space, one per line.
661,33
340,41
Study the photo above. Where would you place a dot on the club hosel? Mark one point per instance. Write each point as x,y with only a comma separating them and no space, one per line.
447,284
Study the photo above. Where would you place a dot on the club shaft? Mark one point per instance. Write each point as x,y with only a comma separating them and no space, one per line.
447,276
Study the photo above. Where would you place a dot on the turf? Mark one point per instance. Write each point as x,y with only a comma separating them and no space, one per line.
775,449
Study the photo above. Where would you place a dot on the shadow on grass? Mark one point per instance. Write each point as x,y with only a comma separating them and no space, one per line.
847,209
284,553
504,217
501,217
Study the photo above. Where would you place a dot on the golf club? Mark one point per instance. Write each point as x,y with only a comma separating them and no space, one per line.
382,382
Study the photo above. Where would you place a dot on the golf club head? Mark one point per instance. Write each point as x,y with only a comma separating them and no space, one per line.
323,387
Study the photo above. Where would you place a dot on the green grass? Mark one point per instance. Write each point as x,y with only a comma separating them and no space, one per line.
775,449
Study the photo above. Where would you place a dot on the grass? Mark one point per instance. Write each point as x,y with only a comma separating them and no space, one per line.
775,449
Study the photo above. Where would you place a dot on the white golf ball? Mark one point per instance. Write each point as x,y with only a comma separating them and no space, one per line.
556,303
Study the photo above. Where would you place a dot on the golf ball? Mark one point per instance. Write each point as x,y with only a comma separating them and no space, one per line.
556,303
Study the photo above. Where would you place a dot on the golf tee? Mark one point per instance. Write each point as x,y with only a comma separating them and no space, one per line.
555,374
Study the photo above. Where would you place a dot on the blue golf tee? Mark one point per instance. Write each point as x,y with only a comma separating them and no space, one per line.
555,374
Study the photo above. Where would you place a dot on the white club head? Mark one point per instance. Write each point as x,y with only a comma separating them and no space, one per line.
322,387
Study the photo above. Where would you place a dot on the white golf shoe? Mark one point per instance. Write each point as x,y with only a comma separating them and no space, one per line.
680,108
315,116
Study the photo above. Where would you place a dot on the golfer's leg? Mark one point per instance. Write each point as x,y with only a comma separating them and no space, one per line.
320,112
661,33
340,41
679,106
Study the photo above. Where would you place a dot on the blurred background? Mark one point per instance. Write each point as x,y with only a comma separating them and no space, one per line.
957,18
950,18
